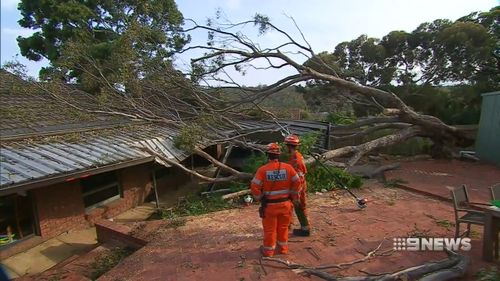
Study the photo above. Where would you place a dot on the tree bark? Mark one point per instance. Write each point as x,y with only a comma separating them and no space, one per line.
236,194
359,150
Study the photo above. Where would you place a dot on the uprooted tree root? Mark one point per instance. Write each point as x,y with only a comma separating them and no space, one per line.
453,267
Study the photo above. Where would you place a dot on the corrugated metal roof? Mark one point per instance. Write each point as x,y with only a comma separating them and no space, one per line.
25,162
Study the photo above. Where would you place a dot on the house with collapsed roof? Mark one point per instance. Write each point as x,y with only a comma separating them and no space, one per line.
61,168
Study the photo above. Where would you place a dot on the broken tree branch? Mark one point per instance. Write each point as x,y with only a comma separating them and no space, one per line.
371,130
161,159
236,194
451,268
359,150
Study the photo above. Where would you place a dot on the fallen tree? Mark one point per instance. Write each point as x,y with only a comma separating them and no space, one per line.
229,48
201,101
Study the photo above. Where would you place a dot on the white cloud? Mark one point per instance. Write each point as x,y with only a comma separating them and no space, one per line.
9,4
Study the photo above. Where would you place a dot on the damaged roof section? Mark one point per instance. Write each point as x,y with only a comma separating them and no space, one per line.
297,127
46,141
27,160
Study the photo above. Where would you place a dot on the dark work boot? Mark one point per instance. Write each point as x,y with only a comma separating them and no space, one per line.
301,232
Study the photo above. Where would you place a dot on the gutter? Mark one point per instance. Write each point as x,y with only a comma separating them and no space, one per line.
22,187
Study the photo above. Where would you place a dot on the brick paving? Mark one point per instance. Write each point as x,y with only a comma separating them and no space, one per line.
436,177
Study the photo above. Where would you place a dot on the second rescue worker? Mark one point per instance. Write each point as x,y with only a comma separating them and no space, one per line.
297,162
276,185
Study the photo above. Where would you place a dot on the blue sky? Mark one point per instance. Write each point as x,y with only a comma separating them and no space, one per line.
324,22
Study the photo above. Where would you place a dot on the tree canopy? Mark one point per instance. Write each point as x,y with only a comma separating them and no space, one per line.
440,68
440,52
118,37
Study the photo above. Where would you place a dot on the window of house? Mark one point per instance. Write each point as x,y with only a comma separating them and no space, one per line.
100,189
17,219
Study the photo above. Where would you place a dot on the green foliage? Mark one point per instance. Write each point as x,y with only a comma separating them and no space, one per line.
491,274
415,66
116,37
453,105
254,162
442,51
409,147
262,21
307,142
305,115
105,262
196,206
189,137
339,118
319,178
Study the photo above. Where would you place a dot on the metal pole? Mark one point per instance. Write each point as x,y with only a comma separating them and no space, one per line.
224,160
156,190
328,132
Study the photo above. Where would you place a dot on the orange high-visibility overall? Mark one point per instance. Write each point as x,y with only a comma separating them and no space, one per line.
297,162
276,181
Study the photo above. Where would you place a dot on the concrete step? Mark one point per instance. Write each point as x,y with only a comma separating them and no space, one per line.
76,268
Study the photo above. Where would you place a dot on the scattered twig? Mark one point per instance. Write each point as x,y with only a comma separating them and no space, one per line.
262,266
342,265
313,252
374,274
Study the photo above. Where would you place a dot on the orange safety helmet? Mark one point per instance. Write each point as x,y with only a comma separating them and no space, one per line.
273,148
292,140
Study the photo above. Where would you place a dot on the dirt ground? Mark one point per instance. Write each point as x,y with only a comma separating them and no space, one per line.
224,245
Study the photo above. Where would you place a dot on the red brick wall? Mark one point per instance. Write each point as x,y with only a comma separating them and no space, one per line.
108,231
60,208
135,183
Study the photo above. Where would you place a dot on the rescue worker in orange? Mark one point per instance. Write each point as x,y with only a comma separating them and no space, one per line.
297,162
275,185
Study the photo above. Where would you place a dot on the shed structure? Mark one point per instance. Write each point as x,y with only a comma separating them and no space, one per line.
488,138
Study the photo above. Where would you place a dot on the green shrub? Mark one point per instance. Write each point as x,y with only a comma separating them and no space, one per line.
188,137
409,147
199,206
339,118
319,178
491,274
253,162
195,206
307,142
